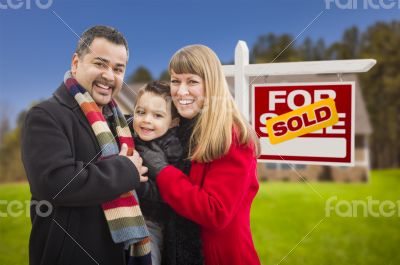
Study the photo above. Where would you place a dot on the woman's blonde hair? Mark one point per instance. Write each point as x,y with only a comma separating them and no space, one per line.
212,133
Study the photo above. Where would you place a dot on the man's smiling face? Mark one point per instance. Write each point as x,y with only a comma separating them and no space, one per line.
101,70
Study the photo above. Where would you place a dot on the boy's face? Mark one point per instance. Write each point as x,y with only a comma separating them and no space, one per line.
152,117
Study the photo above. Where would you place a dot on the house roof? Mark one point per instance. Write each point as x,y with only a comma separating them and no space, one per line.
127,97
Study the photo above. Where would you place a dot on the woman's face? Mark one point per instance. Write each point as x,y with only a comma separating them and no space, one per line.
187,91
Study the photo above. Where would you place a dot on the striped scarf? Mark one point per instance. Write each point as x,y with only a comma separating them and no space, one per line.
123,215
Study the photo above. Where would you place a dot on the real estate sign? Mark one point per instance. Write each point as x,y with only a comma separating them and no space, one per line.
305,123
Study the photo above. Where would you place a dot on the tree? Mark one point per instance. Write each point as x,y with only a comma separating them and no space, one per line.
306,50
165,76
348,47
272,48
141,75
11,167
351,40
319,50
381,88
310,51
4,122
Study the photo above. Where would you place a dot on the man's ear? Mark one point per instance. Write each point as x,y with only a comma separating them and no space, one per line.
74,63
174,123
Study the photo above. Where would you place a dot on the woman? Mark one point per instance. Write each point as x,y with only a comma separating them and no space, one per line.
218,192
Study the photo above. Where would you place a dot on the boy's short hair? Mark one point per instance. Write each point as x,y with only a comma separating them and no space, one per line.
161,89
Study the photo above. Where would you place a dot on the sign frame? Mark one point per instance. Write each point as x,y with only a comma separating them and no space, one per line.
284,158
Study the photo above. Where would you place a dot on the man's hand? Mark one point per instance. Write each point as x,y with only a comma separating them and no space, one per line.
136,160
154,158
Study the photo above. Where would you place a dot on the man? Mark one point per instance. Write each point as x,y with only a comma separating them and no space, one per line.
67,167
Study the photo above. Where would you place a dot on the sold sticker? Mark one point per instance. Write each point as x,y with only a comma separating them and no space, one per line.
302,121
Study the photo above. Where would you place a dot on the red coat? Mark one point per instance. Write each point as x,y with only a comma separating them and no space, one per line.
221,207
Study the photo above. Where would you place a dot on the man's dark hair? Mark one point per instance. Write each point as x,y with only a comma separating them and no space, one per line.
106,32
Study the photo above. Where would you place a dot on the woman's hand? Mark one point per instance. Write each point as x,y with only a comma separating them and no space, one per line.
153,157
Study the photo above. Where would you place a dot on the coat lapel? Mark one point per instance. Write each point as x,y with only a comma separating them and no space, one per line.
62,96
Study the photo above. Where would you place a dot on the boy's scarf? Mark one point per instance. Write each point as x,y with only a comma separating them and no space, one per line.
123,215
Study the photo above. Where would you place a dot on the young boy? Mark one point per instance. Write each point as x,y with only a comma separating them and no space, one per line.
154,121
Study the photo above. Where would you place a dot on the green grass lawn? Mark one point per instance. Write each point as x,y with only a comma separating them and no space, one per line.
289,223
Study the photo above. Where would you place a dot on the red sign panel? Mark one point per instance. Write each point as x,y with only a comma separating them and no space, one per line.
333,145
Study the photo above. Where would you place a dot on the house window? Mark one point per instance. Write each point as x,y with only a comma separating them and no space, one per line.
285,166
270,166
300,166
359,141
